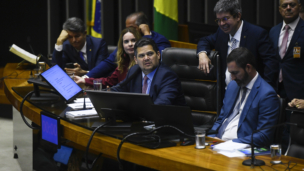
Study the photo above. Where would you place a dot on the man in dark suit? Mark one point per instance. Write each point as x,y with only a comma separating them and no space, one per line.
291,80
151,77
75,46
288,41
139,21
250,103
234,32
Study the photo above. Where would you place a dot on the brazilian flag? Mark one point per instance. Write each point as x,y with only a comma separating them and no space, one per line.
166,18
94,18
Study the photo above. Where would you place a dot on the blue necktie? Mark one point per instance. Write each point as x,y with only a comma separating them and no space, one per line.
81,55
232,115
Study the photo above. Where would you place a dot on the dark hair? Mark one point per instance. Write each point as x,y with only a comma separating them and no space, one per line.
74,24
231,6
141,18
144,41
242,56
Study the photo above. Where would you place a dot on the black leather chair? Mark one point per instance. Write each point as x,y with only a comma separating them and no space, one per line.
201,91
296,143
111,49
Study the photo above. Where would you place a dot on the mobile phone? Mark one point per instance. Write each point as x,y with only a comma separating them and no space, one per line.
69,65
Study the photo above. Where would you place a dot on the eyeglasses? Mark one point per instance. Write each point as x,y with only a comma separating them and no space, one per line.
224,19
292,5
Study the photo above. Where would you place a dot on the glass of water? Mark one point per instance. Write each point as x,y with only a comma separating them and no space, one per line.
97,85
200,139
275,153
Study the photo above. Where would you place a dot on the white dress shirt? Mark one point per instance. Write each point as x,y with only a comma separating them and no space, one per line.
292,27
236,36
231,129
83,50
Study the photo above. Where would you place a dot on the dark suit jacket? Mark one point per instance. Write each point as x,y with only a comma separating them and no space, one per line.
253,38
96,50
107,66
165,87
292,68
261,110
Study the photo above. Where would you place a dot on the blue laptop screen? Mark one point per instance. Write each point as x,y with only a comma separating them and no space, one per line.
61,82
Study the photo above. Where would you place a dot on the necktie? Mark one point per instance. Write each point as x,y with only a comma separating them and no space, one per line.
232,115
145,85
283,48
233,44
227,73
81,55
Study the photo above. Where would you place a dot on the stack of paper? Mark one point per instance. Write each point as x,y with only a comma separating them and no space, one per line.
230,148
79,106
24,54
80,100
82,113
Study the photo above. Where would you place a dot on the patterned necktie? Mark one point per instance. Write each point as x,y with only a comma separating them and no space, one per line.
81,55
145,86
233,43
283,48
232,115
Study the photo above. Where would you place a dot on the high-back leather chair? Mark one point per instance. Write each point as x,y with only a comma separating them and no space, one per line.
202,92
281,119
296,143
111,49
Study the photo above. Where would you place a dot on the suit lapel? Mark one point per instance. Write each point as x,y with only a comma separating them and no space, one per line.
89,52
254,91
244,34
137,83
276,38
231,103
295,36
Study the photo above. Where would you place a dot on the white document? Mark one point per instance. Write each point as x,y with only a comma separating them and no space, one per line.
79,106
80,100
81,113
230,148
24,54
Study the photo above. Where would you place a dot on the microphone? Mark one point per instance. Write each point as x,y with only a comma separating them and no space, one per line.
29,43
255,162
128,79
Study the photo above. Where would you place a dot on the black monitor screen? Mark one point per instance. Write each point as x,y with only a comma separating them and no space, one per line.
135,105
61,82
50,128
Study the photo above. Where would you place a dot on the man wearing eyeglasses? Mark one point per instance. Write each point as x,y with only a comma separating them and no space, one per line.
288,41
234,32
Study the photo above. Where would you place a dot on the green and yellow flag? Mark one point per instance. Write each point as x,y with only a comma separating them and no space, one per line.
166,18
94,18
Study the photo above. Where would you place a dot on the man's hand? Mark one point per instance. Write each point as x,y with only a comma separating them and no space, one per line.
79,80
76,71
144,29
62,37
298,103
204,62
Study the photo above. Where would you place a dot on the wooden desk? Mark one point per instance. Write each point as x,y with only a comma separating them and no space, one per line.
173,158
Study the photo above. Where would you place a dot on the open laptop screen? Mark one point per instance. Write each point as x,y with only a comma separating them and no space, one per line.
61,82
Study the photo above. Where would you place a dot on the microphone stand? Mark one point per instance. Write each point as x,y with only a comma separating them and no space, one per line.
253,161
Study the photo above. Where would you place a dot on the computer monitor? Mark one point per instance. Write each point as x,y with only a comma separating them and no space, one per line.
135,106
62,83
50,129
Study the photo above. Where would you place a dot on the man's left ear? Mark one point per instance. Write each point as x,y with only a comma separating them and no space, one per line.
248,68
85,32
135,59
239,16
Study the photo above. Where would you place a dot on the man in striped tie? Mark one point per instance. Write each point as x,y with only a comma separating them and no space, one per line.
250,103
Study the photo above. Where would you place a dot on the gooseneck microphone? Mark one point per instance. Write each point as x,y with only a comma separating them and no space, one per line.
255,162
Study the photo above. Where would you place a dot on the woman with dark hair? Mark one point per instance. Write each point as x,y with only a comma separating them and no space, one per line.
124,58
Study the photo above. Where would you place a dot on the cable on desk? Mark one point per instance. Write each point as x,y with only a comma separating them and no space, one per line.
21,107
145,133
89,142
